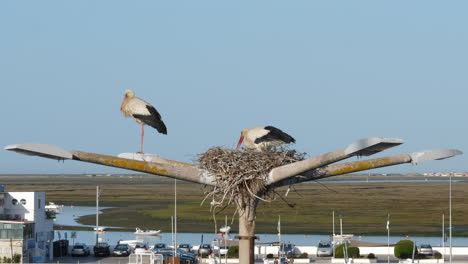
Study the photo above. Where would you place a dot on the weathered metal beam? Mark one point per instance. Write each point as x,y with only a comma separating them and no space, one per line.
363,147
157,166
168,168
350,167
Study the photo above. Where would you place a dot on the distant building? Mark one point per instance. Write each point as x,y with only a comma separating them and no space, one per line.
25,227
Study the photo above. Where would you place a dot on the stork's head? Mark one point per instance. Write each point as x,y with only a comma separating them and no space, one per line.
128,94
243,132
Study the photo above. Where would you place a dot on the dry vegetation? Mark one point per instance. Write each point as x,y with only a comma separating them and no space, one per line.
147,201
241,173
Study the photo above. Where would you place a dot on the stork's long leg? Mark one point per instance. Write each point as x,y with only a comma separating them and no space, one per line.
142,138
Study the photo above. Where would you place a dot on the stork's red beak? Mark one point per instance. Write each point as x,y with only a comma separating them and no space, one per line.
240,142
123,103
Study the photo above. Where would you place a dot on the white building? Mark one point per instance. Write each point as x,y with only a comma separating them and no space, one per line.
25,227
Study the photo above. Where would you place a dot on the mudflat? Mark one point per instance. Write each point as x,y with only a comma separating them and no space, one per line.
147,201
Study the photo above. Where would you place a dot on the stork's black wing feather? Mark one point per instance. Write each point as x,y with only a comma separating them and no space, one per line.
153,120
275,134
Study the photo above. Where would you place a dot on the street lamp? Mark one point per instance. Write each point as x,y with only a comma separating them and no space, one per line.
310,169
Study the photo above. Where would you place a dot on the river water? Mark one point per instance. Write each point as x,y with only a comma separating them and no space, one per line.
68,217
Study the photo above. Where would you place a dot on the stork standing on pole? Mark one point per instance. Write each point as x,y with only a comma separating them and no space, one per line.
143,113
263,138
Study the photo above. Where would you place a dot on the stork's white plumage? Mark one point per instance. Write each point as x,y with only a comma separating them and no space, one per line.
263,138
143,113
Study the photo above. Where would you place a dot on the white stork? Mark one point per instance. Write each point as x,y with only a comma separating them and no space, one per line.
143,113
263,138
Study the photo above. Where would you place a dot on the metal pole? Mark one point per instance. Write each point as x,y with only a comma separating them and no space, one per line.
175,217
333,213
279,229
333,236
450,217
341,226
443,235
247,231
388,238
172,229
97,214
225,236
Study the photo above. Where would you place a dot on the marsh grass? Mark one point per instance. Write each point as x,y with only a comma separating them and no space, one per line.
415,208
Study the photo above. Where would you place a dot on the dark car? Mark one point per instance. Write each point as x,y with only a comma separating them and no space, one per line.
185,247
205,249
186,257
122,250
159,246
101,249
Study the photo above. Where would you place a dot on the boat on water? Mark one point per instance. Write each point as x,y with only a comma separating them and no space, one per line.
52,207
225,229
141,232
99,229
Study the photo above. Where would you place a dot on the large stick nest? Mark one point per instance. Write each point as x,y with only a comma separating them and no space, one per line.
242,173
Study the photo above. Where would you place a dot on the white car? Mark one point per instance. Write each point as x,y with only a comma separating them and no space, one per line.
324,249
80,250
140,248
223,250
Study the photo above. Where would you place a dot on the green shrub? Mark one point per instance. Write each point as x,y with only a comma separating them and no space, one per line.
404,249
371,256
353,252
304,255
16,258
269,256
437,255
233,252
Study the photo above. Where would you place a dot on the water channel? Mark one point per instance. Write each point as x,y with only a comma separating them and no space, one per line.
68,217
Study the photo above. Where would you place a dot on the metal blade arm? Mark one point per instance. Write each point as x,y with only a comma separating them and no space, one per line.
363,147
349,167
172,169
344,168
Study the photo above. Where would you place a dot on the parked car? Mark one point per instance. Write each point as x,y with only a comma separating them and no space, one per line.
101,249
157,247
324,249
425,249
186,257
286,250
223,250
205,249
185,247
140,248
122,250
80,250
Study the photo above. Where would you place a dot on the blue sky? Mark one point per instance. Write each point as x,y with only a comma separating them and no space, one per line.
326,72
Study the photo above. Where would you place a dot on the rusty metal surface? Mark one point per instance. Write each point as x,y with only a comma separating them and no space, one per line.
363,147
296,168
345,168
168,169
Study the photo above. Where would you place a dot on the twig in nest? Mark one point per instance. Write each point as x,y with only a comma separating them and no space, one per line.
241,174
